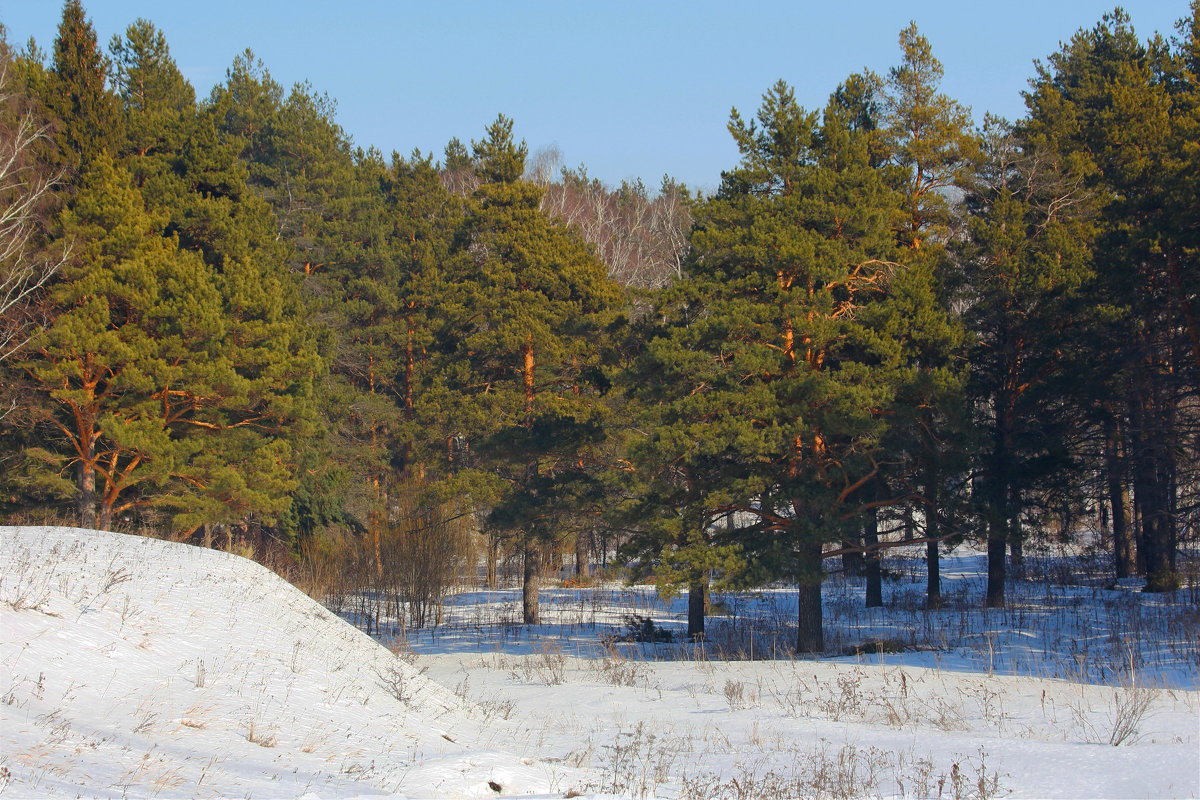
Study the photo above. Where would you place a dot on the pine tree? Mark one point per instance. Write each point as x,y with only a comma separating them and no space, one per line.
517,352
770,387
930,151
1125,112
155,95
1027,262
87,112
131,305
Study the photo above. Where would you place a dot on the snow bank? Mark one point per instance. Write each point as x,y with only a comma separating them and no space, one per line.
137,667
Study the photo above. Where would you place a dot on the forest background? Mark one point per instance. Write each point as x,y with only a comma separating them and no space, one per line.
224,322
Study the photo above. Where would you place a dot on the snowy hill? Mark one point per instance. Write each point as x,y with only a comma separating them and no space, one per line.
132,667
143,668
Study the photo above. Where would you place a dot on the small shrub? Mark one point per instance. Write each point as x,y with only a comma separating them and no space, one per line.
398,679
735,694
617,670
641,629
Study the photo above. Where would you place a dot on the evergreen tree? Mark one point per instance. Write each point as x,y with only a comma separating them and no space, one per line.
1125,111
1027,262
173,386
771,388
155,95
130,305
931,151
517,383
77,92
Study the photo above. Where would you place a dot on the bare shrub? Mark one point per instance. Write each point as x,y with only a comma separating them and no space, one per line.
849,772
399,680
1127,711
26,201
615,669
426,547
547,666
735,694
1121,721
497,707
637,761
969,779
749,783
414,553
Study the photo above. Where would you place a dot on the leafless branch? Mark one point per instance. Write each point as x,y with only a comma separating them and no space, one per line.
24,192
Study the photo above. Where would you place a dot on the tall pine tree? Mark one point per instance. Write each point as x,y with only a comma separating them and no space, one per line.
518,351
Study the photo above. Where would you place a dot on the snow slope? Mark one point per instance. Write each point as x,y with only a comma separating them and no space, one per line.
141,668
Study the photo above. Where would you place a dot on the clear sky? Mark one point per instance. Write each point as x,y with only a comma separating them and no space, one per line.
628,88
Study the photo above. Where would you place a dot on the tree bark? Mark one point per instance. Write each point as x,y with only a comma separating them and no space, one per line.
86,477
999,495
582,555
871,561
933,571
852,560
1016,537
997,545
996,556
529,582
527,366
697,603
1153,483
810,635
1124,554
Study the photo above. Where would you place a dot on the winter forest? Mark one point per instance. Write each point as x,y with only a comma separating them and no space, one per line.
223,322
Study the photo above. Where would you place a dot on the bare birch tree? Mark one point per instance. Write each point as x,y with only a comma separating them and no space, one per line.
26,190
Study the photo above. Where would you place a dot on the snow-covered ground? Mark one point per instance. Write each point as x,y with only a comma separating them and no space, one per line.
132,667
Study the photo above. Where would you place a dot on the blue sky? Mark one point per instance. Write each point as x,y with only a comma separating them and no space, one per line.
630,89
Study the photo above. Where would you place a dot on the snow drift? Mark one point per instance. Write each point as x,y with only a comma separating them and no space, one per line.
137,667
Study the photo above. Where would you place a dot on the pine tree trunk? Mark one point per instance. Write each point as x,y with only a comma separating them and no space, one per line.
997,545
1105,522
697,603
1124,555
582,569
996,558
1016,541
493,556
810,637
852,559
933,567
999,495
871,560
529,583
527,365
1153,484
409,370
86,476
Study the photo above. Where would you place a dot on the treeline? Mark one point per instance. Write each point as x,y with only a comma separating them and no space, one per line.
223,320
